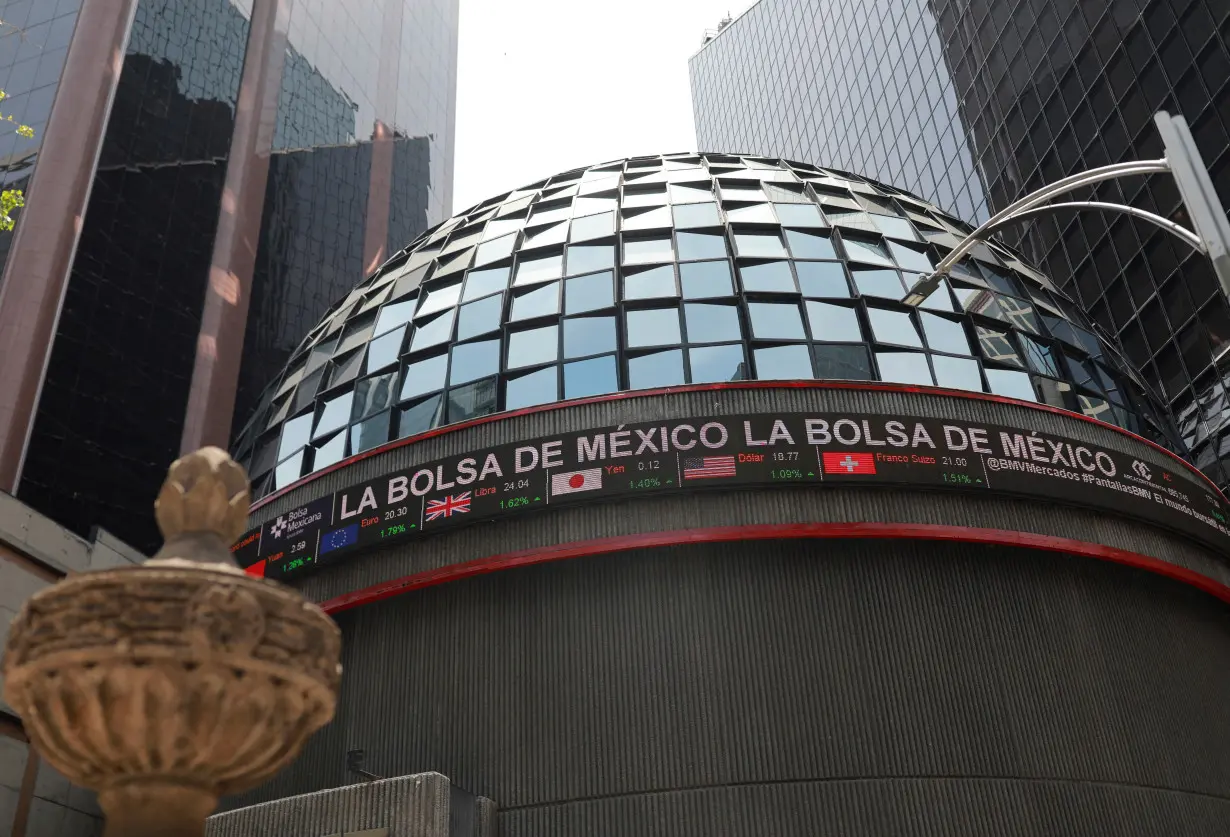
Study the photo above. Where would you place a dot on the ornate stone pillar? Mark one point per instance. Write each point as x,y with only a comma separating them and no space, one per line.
165,686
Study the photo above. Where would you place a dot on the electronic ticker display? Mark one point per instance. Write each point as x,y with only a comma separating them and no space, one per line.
729,452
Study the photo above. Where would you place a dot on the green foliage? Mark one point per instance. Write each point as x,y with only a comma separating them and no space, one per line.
11,199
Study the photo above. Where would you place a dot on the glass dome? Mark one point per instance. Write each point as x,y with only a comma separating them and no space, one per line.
660,271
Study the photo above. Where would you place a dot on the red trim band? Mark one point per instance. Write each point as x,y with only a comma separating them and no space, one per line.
775,531
732,385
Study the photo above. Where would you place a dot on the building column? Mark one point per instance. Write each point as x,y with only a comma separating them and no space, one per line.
48,228
219,349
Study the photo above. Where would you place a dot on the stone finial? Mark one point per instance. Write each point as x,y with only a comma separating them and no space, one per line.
165,686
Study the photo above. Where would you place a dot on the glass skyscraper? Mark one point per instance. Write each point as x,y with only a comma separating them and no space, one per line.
973,104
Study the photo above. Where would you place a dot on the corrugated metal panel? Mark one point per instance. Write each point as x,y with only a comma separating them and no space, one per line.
787,505
836,668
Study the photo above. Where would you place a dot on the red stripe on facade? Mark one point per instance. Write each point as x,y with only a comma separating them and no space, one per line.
775,531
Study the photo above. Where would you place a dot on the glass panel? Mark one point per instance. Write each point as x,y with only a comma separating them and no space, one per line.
776,321
545,237
904,368
894,327
799,215
391,316
531,271
542,302
700,246
654,327
593,226
654,283
895,227
347,367
482,282
433,333
701,280
503,226
810,246
910,258
472,361
824,279
690,194
591,206
843,363
532,347
295,434
660,369
652,197
589,336
833,323
711,364
589,293
1041,357
653,219
334,414
771,277
288,471
541,387
371,395
424,376
697,215
550,215
782,363
590,258
648,250
765,245
420,417
712,323
957,373
370,434
945,335
1011,384
760,213
865,250
383,351
494,250
885,283
472,400
595,376
357,333
305,394
938,300
330,453
997,345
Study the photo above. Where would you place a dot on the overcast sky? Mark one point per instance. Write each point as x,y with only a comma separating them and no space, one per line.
544,86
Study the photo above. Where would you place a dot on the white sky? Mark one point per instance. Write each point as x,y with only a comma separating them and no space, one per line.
544,86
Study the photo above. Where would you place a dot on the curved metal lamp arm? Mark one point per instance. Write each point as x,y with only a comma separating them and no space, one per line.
1157,220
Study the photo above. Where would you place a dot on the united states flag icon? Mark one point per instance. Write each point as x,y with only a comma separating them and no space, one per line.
708,467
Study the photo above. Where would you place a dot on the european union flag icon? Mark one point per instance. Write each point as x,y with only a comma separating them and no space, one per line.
339,538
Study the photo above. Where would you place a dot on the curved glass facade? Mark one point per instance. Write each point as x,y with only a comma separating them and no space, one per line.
662,271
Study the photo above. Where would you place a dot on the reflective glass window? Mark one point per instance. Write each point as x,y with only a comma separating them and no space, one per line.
776,321
541,302
783,363
822,279
590,258
654,283
533,346
763,245
391,316
370,434
911,258
305,393
433,332
372,395
938,300
945,335
769,277
865,250
713,364
550,215
651,219
904,368
1011,384
592,206
494,250
712,323
472,361
473,400
544,269
333,414
833,323
998,345
957,373
1040,356
545,236
479,317
588,336
893,327
589,293
595,376
541,387
593,226
480,283
885,283
653,327
424,376
330,452
700,246
648,250
690,194
501,227
660,369
647,197
702,280
383,351
295,434
347,367
799,215
810,246
842,363
697,215
420,417
760,213
895,227
288,471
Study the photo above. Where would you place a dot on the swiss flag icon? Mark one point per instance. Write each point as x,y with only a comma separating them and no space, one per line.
849,463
